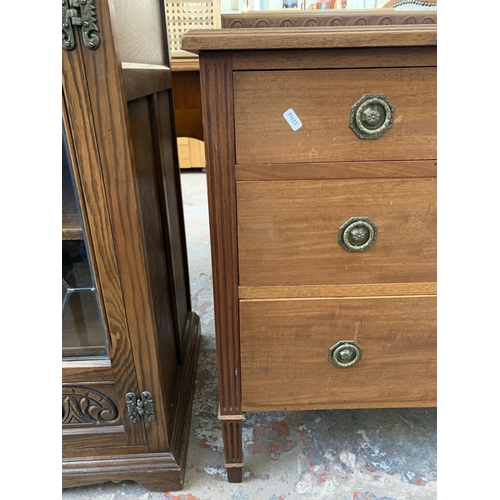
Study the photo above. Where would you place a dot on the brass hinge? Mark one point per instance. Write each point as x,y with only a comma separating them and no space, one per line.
140,407
79,13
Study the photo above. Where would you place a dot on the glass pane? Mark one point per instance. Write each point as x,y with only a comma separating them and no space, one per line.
83,332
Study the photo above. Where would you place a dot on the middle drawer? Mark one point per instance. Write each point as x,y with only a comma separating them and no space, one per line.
288,231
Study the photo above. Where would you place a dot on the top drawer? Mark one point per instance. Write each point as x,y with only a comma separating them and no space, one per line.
322,100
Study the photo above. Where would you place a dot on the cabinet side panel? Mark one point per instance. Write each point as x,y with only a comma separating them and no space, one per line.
148,193
171,197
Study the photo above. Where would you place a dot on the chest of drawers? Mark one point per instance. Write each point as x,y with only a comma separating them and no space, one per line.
321,170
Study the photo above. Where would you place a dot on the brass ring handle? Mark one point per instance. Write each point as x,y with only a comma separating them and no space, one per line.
345,353
357,234
371,116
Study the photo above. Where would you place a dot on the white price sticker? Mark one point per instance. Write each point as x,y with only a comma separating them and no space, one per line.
292,119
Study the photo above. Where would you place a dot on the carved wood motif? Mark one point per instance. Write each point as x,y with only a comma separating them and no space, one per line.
393,4
81,405
331,18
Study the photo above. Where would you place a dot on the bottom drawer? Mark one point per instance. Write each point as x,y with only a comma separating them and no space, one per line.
285,353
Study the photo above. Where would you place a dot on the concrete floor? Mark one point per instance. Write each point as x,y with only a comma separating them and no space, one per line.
387,454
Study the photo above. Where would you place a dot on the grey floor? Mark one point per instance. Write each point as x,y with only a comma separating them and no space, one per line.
387,454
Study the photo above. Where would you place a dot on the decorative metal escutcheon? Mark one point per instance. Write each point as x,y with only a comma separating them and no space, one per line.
357,234
371,116
345,353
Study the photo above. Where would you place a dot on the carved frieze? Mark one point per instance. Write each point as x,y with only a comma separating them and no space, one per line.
332,18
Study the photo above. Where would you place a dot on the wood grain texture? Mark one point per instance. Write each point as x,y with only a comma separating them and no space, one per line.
87,371
133,145
389,57
125,204
82,141
144,79
216,81
170,197
71,222
285,345
79,437
333,17
185,386
293,191
322,100
288,231
309,38
112,440
150,198
352,290
337,170
154,471
191,153
185,64
79,443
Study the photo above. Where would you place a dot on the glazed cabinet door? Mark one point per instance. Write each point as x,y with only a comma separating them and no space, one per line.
117,90
98,366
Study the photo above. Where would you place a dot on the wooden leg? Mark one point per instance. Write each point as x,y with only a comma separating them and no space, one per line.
234,474
232,433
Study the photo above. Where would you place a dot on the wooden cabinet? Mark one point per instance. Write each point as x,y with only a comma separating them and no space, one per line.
321,168
130,339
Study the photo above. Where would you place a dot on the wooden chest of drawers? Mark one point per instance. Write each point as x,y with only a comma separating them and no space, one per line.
321,165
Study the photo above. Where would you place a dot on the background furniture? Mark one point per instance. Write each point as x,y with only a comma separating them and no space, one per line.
321,171
187,112
130,339
311,18
183,16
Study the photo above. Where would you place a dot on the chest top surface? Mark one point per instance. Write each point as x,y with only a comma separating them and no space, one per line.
242,39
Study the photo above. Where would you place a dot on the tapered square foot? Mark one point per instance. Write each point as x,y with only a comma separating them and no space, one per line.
234,474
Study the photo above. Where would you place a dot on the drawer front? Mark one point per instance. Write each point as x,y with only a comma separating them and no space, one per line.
322,101
288,231
285,348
